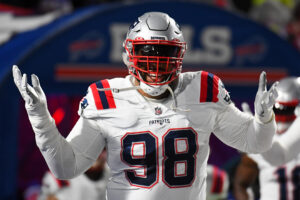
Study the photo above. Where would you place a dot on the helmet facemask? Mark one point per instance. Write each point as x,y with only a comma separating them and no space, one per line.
155,62
284,114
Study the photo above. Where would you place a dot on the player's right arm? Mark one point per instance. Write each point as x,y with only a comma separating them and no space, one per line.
68,157
245,176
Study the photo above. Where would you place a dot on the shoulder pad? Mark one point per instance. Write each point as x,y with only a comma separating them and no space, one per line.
212,89
209,87
98,97
102,96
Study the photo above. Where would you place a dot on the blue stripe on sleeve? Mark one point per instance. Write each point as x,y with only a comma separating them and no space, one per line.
102,96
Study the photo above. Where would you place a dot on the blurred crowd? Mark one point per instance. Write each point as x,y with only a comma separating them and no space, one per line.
281,16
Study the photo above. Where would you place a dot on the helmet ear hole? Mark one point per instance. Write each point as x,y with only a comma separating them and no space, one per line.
125,58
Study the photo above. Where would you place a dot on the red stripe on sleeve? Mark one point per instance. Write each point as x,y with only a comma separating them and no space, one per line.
108,94
215,89
203,86
96,96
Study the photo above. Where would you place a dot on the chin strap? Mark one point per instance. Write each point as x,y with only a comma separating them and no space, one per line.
173,106
117,90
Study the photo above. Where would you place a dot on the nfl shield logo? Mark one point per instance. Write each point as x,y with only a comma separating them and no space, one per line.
158,110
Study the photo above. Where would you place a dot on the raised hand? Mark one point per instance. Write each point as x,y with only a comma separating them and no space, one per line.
265,99
35,99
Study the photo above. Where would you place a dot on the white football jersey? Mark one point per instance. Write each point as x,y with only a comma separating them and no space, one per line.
159,149
281,182
77,188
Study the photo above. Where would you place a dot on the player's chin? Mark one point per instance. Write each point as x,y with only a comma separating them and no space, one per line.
155,79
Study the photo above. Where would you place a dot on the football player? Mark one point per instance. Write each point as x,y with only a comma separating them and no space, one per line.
155,122
276,182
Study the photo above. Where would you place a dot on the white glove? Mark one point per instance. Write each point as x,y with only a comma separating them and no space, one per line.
265,100
35,99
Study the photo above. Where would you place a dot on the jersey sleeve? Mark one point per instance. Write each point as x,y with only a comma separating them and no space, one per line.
240,130
87,141
99,99
71,156
227,122
105,105
212,89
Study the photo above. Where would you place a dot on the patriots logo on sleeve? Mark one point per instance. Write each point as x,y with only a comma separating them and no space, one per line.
224,93
84,103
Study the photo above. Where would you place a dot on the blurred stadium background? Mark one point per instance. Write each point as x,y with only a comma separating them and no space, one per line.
70,44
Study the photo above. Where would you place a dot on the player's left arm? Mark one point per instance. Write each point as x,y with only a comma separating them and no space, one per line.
243,131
